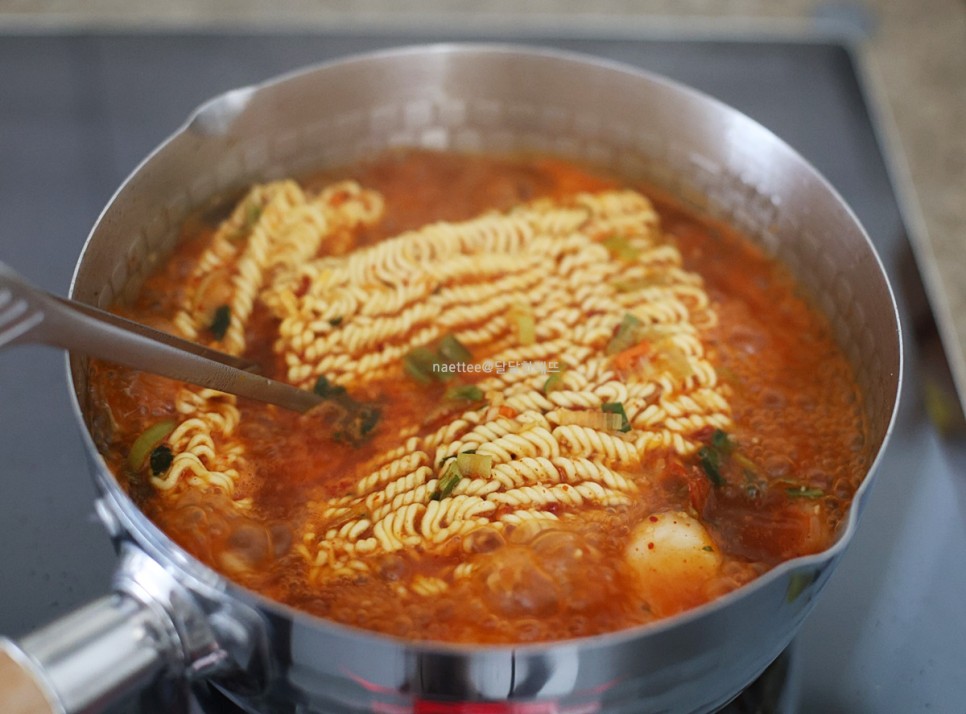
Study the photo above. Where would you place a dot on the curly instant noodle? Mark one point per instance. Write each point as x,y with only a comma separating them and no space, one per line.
548,407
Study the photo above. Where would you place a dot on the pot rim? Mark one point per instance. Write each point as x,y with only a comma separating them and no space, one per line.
204,580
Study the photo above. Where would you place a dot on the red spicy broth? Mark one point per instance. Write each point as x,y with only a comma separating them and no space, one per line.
745,437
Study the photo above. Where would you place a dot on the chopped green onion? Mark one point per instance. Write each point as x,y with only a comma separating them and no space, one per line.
452,350
161,459
447,481
805,492
335,321
710,456
593,420
721,441
466,463
252,213
147,441
420,363
469,392
626,335
708,548
620,247
326,390
474,465
615,422
354,420
220,322
423,364
368,417
723,449
744,462
710,460
618,408
521,315
553,383
362,420
555,380
321,386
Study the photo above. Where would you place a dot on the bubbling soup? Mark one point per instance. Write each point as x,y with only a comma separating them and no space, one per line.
555,404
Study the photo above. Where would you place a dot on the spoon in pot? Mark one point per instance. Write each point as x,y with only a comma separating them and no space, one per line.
28,314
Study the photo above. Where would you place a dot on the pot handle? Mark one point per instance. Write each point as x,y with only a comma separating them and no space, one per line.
21,689
94,656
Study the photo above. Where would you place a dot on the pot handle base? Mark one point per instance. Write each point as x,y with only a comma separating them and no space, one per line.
97,654
22,688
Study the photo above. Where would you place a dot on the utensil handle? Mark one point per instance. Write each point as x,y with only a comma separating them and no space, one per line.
79,332
22,689
27,313
81,663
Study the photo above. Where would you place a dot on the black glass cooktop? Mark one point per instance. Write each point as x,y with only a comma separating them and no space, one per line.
78,112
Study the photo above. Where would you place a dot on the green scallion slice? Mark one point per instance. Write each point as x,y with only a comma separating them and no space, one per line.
447,482
368,418
322,386
710,461
626,335
618,408
721,442
161,459
469,392
745,463
149,439
621,248
452,350
521,315
326,390
252,213
553,383
421,363
474,465
220,322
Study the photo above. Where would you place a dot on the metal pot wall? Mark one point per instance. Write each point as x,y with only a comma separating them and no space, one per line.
173,616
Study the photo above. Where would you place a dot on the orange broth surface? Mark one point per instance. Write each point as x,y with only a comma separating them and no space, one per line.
798,434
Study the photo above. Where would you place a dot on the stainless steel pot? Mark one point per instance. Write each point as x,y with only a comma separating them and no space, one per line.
172,616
